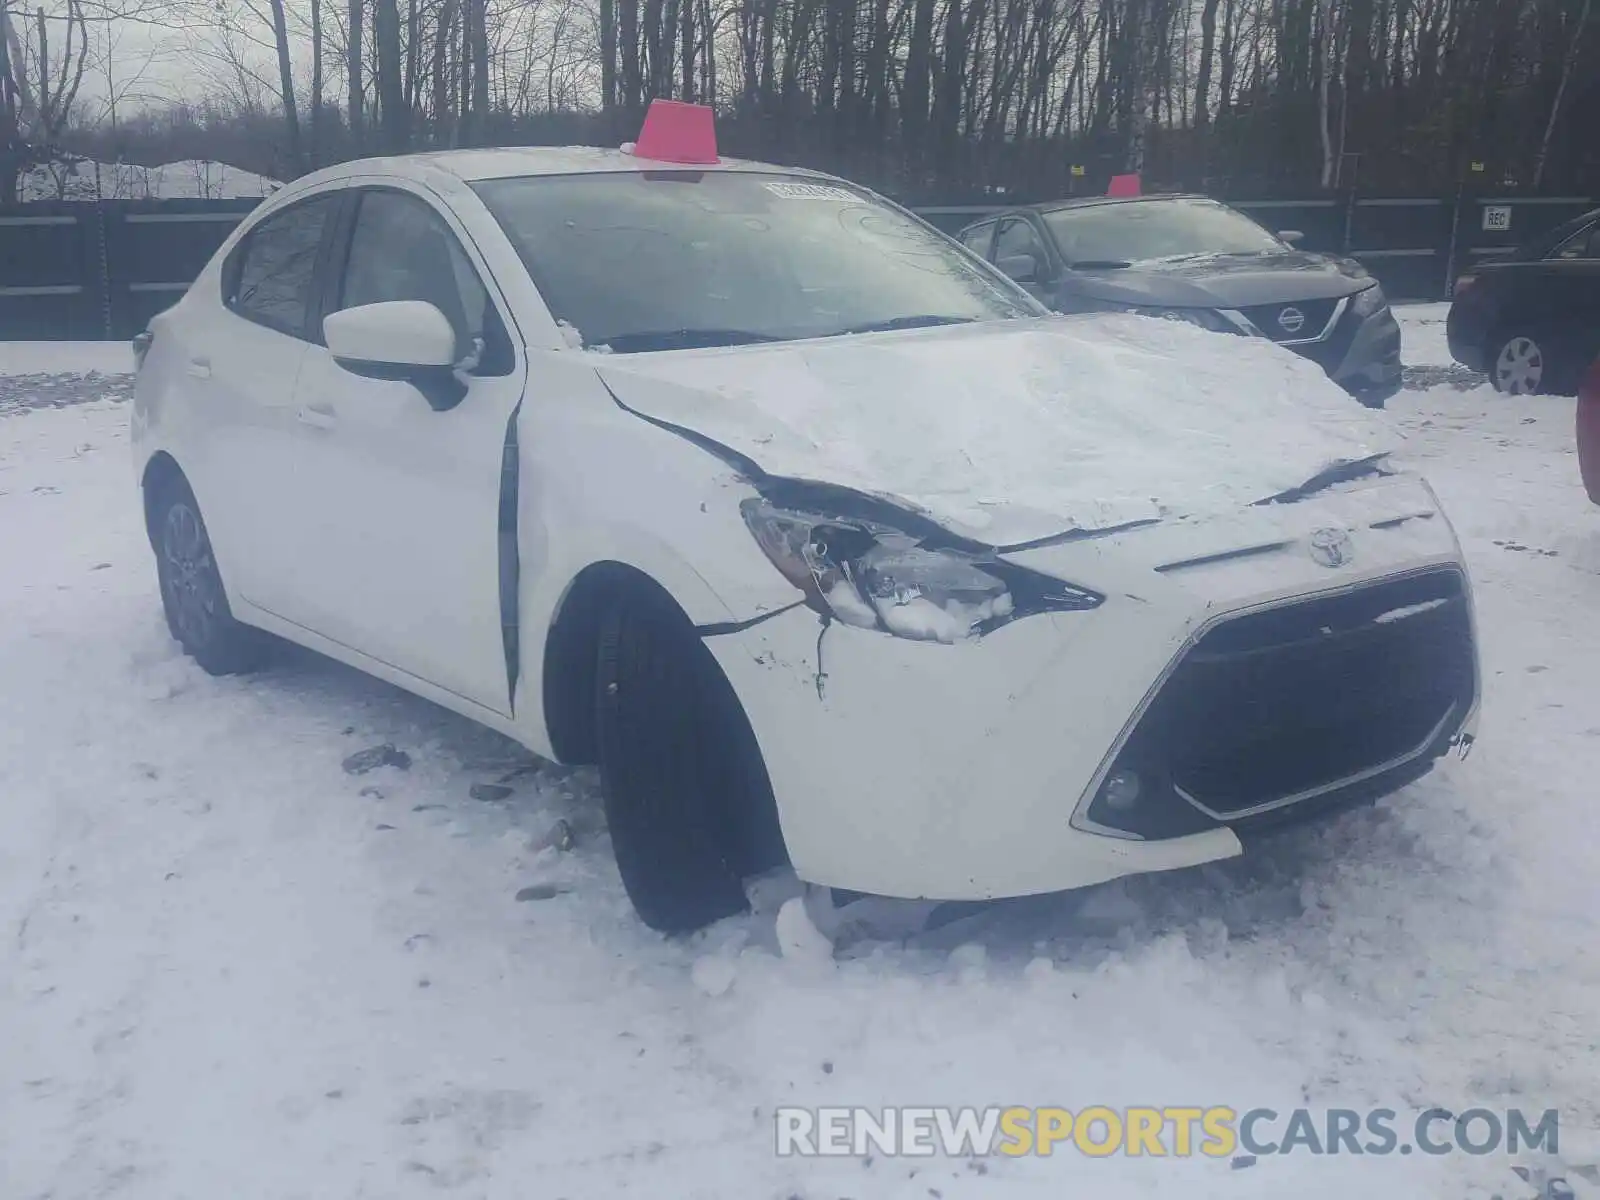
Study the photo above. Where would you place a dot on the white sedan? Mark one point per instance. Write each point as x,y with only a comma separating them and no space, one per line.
826,543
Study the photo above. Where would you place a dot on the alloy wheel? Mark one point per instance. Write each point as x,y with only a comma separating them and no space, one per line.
189,577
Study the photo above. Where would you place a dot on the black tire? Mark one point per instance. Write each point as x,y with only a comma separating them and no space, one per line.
683,795
192,595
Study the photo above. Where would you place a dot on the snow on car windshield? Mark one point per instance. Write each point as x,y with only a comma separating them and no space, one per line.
1155,229
667,260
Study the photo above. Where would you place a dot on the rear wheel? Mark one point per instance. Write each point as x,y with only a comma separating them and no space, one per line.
1520,364
192,595
685,790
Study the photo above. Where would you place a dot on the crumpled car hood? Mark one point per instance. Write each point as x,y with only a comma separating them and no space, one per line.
1012,431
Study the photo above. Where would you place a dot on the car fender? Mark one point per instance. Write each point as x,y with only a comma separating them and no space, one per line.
164,423
598,484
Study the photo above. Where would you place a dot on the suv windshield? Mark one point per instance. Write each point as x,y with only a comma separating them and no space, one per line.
668,260
1155,229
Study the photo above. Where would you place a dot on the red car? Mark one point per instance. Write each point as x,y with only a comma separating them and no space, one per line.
1589,431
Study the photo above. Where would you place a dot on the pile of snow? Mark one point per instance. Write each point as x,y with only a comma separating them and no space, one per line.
190,178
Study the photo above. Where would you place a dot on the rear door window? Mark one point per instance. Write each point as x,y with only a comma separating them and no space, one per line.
273,280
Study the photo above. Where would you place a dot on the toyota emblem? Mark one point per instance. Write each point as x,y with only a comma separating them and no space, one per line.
1331,547
1292,320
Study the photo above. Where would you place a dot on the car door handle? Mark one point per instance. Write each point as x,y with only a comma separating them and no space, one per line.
317,417
200,368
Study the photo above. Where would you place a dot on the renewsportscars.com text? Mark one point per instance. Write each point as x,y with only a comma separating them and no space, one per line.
1100,1131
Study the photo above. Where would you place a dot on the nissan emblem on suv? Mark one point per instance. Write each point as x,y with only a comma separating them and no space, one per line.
1292,320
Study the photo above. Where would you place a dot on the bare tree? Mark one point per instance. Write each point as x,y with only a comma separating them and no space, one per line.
391,87
1325,60
353,69
38,87
476,31
291,115
316,83
1574,46
925,96
13,81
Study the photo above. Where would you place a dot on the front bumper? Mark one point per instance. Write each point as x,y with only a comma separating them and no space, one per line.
967,772
1362,355
1466,330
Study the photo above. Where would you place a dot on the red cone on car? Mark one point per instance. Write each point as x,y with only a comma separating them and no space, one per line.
676,132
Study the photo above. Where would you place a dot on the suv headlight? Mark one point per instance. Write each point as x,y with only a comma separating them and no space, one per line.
874,576
1368,301
1205,318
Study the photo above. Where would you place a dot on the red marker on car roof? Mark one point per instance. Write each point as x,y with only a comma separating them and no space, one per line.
676,132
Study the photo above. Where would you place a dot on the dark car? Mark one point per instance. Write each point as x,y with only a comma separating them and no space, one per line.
1530,320
1190,258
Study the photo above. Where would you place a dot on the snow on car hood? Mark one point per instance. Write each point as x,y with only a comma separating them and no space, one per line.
1010,431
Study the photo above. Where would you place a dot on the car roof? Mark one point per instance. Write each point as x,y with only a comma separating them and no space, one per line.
1535,249
508,162
1049,206
1096,201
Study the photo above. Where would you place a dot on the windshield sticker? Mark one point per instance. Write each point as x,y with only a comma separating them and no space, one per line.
810,191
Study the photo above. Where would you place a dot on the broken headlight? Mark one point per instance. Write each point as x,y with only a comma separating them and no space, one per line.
1368,301
873,576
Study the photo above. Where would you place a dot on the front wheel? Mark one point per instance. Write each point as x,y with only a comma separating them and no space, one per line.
192,595
683,783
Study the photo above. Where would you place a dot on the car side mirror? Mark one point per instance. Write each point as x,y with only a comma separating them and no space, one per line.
409,341
1293,236
1020,267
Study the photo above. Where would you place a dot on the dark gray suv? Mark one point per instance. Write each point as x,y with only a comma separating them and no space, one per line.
1189,258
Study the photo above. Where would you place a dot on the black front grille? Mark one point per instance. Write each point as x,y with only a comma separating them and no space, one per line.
1278,322
1301,699
1331,351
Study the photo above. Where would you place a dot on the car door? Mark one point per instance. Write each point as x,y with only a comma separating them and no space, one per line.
243,359
1573,277
399,511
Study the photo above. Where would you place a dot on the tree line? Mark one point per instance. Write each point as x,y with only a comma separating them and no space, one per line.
929,99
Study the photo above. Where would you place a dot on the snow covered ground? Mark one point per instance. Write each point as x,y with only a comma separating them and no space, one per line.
231,968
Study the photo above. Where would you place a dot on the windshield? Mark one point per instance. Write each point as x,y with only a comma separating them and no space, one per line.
666,260
1155,229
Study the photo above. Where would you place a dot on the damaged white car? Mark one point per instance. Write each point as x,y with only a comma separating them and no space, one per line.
822,539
